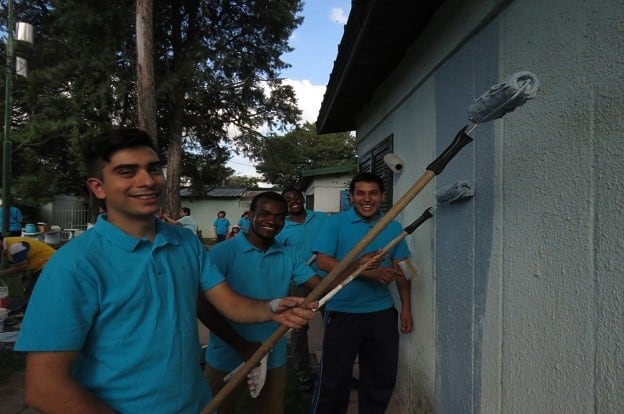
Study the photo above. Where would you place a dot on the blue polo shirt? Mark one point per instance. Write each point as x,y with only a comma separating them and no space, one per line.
128,305
221,226
260,275
303,234
244,223
337,237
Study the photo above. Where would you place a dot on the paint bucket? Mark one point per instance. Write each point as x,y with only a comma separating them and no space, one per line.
52,237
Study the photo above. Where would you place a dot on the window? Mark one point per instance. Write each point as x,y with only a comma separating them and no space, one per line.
373,162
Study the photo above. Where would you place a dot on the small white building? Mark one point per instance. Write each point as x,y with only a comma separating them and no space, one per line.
204,209
326,189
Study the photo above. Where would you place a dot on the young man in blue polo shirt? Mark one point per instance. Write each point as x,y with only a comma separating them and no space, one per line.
111,325
256,265
221,226
301,229
361,318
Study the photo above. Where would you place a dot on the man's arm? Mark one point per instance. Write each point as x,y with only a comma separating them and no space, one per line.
169,220
405,295
217,324
51,389
246,310
373,271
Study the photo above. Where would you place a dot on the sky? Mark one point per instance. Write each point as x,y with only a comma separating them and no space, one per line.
315,44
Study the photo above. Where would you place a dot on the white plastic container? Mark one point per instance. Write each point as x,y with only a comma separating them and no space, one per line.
4,312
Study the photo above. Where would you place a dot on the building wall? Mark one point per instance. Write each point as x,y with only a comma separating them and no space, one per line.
518,301
326,191
205,212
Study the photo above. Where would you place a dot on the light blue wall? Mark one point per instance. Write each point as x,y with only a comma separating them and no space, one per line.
518,304
463,230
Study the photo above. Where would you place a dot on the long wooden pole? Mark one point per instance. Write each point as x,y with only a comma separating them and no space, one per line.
433,169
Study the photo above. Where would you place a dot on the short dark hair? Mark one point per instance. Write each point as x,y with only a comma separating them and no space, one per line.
366,177
268,195
99,150
186,210
292,190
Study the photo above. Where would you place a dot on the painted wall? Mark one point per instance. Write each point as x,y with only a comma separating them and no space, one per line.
518,304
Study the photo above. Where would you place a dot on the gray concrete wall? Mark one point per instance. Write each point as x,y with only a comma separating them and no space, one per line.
518,305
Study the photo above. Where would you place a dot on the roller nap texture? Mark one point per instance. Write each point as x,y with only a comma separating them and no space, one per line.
504,97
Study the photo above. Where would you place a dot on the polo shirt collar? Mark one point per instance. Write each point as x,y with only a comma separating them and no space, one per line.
354,217
164,235
246,246
310,215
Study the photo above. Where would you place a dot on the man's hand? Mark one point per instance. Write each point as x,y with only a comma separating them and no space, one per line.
383,275
407,322
286,312
372,260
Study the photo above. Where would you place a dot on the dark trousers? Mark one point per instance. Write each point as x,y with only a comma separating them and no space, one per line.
375,338
221,237
299,341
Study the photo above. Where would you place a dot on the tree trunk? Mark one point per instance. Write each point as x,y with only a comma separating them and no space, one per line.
146,91
174,156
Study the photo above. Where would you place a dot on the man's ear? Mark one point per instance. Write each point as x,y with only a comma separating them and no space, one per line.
95,185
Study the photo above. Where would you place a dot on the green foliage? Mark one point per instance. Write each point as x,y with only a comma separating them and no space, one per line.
217,66
242,181
284,158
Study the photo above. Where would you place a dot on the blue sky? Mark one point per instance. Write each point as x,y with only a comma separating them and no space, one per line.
315,45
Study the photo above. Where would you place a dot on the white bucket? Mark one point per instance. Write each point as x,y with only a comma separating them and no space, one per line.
52,237
4,312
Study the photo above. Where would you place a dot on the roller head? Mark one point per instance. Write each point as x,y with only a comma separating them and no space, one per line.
504,97
461,190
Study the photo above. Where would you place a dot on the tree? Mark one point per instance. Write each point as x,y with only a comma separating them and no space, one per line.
242,181
282,159
216,69
146,91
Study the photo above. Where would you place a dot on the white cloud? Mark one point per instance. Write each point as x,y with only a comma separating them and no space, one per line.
309,98
338,15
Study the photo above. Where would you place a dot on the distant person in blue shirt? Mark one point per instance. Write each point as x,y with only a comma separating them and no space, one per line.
301,229
256,265
243,221
221,226
15,221
361,319
112,322
185,220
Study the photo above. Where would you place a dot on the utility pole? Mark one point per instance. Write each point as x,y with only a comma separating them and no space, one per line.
25,40
7,144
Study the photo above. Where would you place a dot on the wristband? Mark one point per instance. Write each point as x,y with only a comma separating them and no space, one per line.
274,305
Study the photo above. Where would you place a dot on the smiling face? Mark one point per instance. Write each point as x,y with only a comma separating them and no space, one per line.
295,202
266,221
366,199
131,184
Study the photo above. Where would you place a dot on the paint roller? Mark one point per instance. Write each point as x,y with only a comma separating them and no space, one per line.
497,101
461,190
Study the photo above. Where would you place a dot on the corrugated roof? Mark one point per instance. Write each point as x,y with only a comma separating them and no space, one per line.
375,39
226,192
